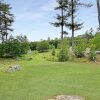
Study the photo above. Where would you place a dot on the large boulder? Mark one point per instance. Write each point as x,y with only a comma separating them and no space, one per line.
14,68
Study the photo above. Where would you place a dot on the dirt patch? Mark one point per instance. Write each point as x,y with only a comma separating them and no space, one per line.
67,97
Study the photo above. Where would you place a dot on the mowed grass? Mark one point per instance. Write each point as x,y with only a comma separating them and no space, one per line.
41,80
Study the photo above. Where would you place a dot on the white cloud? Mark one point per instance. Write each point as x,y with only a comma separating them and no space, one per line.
49,6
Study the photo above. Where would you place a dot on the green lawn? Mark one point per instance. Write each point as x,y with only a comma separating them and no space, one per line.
40,79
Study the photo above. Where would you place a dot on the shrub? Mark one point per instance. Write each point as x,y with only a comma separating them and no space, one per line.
96,41
13,48
54,42
92,56
51,58
79,50
64,44
24,47
63,55
33,45
2,50
51,46
53,51
43,46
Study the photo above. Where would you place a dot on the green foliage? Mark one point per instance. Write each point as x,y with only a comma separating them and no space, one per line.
6,20
13,48
43,46
24,47
96,41
54,42
63,55
53,52
22,38
33,45
92,56
79,50
2,50
61,19
64,44
51,58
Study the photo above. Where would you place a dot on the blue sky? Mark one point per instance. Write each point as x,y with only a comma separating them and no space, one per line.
32,18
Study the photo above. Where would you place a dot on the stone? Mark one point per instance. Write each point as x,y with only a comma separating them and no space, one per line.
14,68
87,52
29,52
67,97
97,52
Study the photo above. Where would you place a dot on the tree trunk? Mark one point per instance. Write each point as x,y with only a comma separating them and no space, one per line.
6,37
2,38
72,42
98,9
62,24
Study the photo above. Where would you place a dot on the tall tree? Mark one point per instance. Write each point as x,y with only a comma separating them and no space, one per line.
98,10
74,25
62,17
6,20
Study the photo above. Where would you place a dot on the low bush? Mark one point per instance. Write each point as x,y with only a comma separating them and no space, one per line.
52,58
33,45
96,41
24,47
43,46
63,55
92,56
13,48
79,50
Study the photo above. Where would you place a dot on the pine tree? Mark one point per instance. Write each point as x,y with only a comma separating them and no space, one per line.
73,24
62,17
6,20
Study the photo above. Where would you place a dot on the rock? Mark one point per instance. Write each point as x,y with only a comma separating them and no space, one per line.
67,97
87,52
97,52
29,52
14,68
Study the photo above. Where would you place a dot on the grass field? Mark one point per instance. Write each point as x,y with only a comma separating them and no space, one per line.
41,80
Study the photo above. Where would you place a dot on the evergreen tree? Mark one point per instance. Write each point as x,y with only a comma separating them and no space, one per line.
62,17
75,25
6,20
